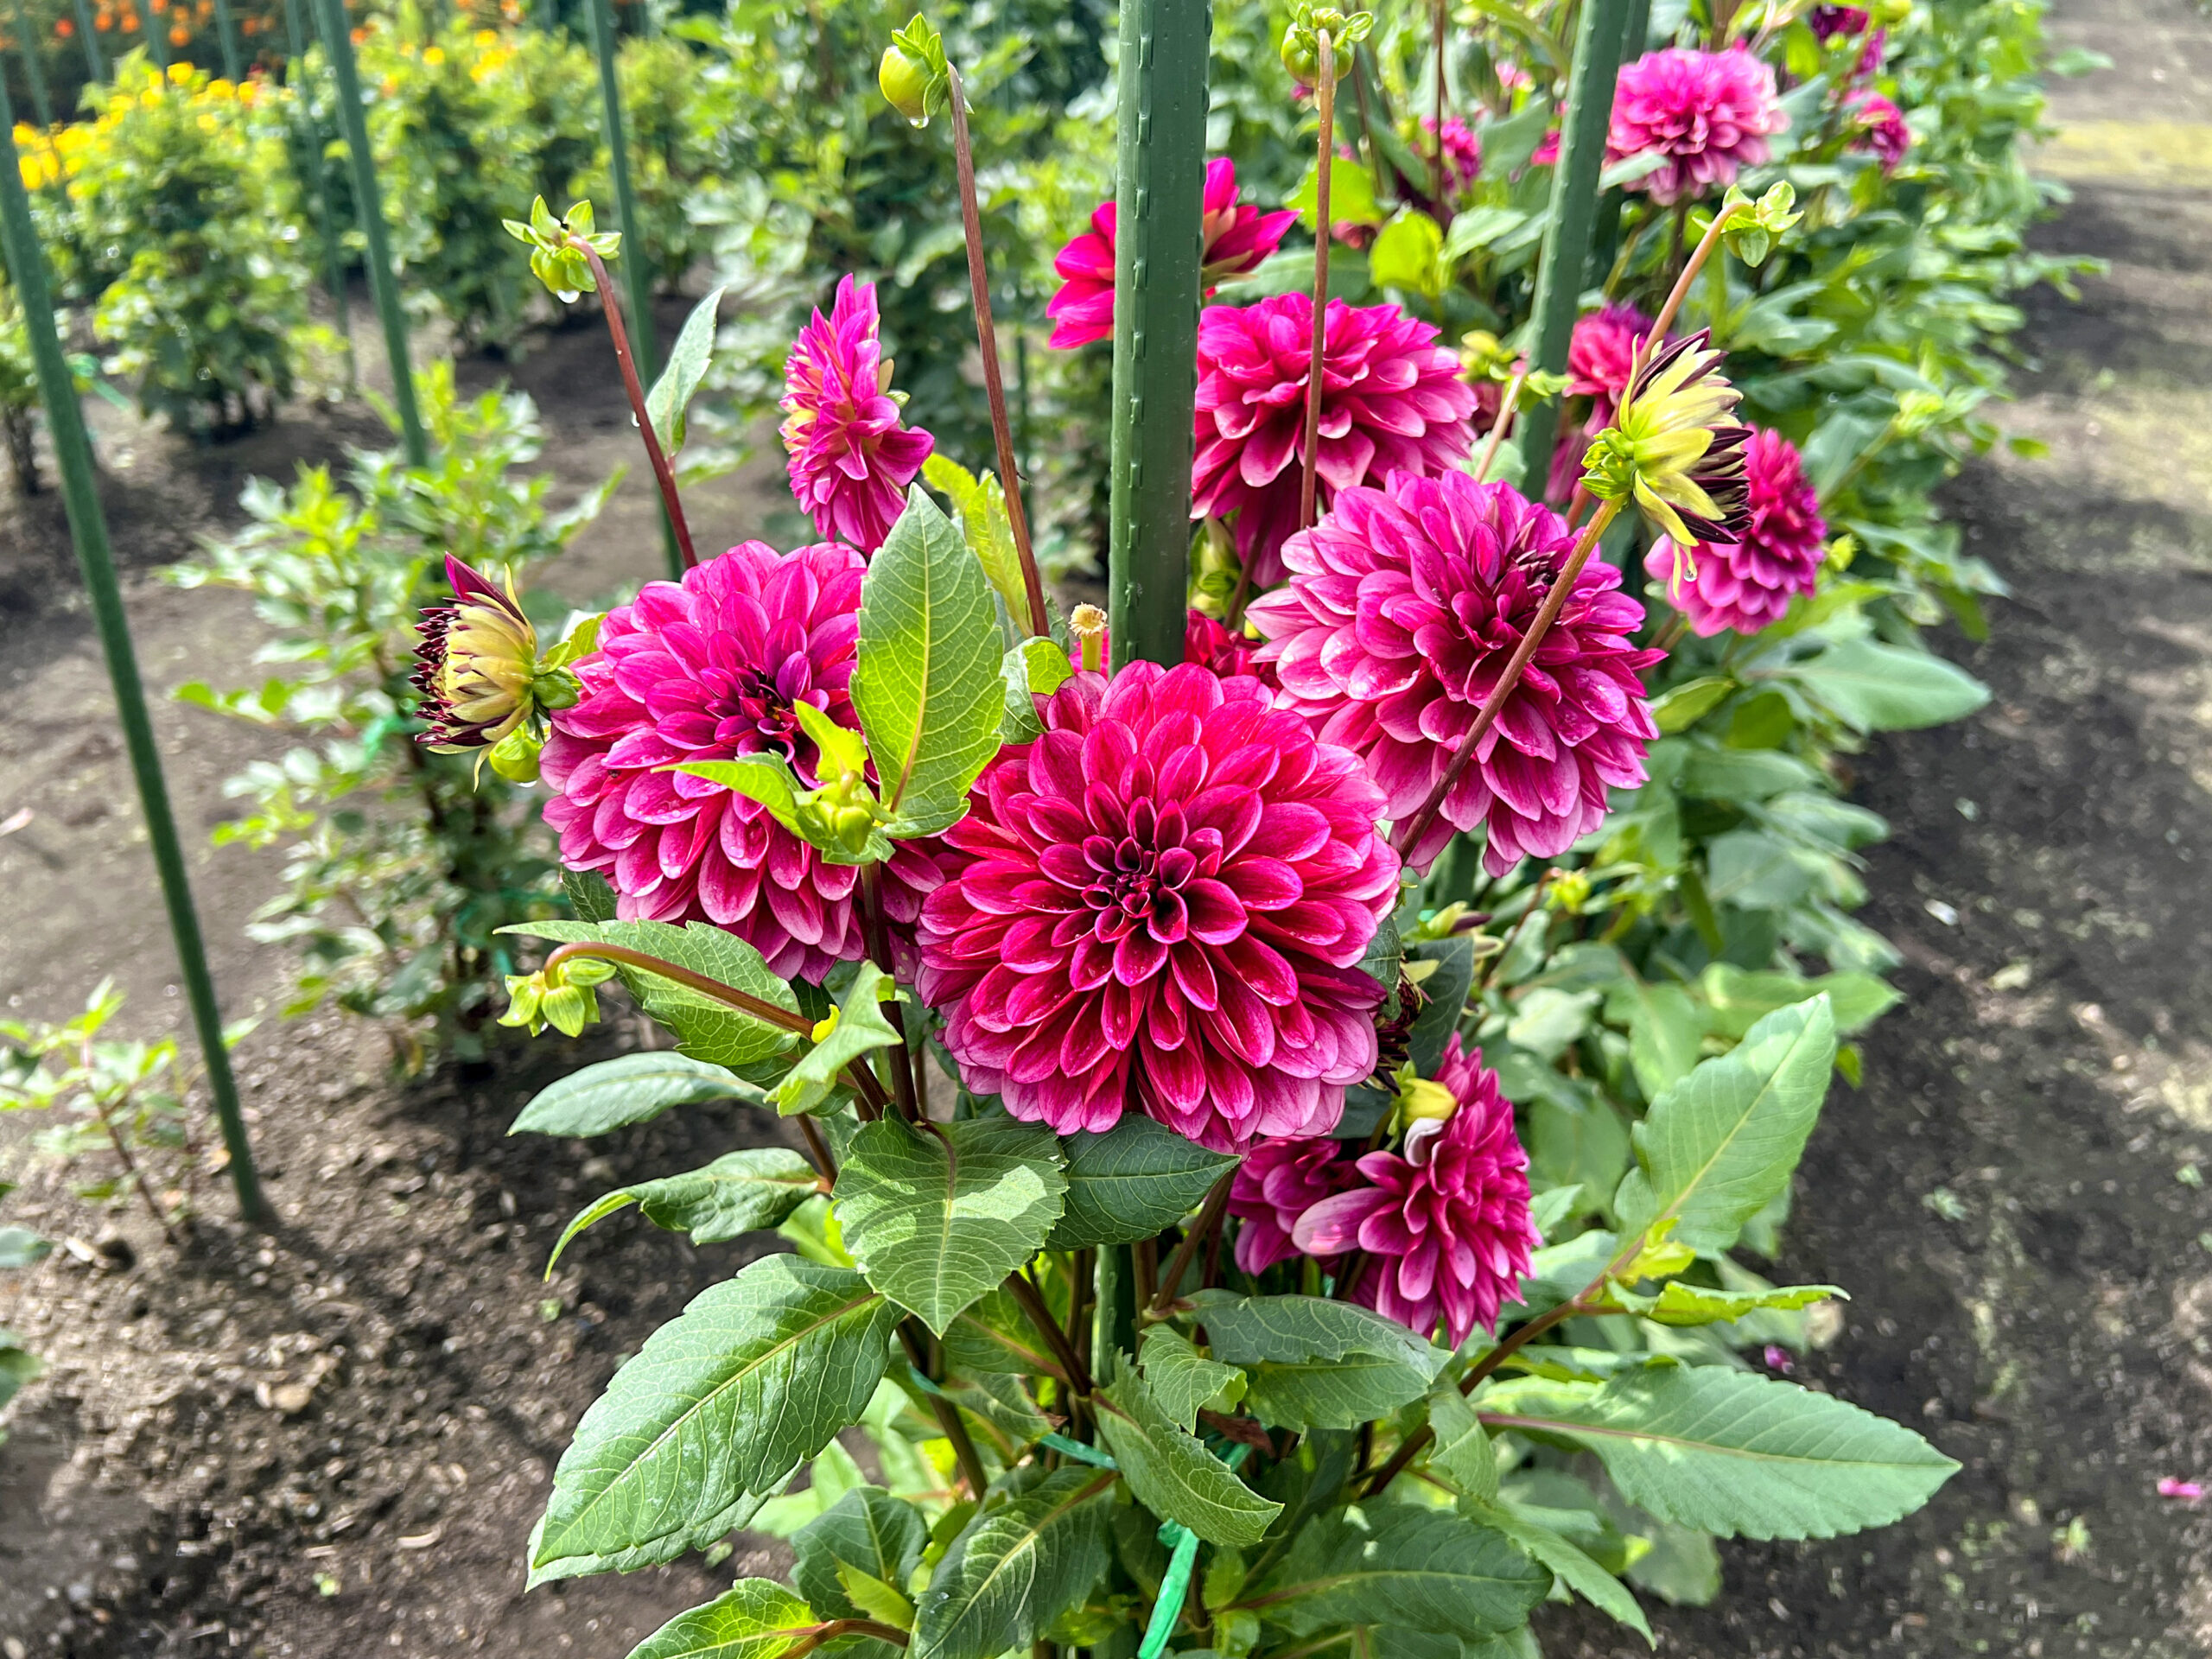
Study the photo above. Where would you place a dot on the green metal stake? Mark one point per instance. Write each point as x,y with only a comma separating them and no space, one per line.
1575,203
326,222
637,268
88,529
1160,169
93,61
33,70
368,203
1604,233
158,39
226,30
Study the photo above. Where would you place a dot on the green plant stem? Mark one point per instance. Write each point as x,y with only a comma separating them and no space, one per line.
1325,102
610,305
825,1161
1558,297
94,63
843,1627
226,33
1209,1218
1159,191
1437,48
1562,585
368,206
986,342
637,268
1681,291
916,1336
317,185
88,530
1032,1305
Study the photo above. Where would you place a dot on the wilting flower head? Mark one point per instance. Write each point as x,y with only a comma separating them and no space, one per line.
1226,651
1748,584
1601,355
851,461
1279,1181
1403,607
475,667
1391,401
1878,125
1238,237
1675,448
1708,113
707,671
1463,150
1163,903
1446,1229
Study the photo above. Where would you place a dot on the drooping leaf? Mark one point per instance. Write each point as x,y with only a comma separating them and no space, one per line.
1567,1564
1732,1452
859,1028
984,522
1717,1146
926,681
1676,1303
938,1216
867,1529
1878,688
1397,1564
1314,1363
1170,1472
1016,1567
687,366
723,1403
1462,1452
1183,1379
754,1618
753,1187
628,1089
1136,1180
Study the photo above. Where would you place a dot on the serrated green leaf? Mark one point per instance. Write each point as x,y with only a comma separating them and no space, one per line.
859,1029
1676,1303
687,367
1447,990
1665,1031
1170,1472
750,1380
1731,1452
998,1398
1737,998
1462,1452
767,779
1136,1180
1878,688
1397,1564
937,1216
995,1336
1716,1147
1263,1330
926,679
984,524
589,895
739,1192
867,1530
754,1618
1567,1564
1182,1378
628,1089
1015,1568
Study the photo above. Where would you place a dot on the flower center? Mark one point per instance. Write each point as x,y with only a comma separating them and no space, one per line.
1137,881
752,712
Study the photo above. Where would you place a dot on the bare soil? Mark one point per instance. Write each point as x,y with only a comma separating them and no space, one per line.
332,1438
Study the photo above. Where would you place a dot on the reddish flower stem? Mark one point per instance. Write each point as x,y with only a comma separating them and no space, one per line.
1208,1220
1554,602
1324,100
1078,1376
914,1334
663,474
818,1148
1680,292
1497,428
876,927
987,337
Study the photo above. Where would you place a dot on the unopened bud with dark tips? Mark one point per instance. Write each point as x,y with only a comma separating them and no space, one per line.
475,666
1675,448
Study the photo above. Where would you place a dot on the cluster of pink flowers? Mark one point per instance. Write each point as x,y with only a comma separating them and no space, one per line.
851,459
1708,115
1463,150
1878,125
1749,584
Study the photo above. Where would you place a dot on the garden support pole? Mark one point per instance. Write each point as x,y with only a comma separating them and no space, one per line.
73,454
34,68
299,31
93,61
157,38
1160,169
368,204
226,32
637,270
1575,202
1635,29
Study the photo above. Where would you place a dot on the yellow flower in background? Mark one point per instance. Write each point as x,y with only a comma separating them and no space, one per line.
433,56
179,73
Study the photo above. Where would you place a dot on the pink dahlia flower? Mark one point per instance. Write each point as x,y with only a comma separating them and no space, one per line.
1279,1181
1238,236
1599,355
1546,152
1446,1228
705,671
1463,150
1162,902
1391,401
851,461
1878,125
1749,584
1830,22
1226,651
1708,113
1404,606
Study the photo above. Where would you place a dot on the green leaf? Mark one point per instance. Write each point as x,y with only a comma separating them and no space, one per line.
1314,1363
1877,688
938,1216
22,1248
925,682
1035,668
1395,1564
1170,1472
739,1192
723,1403
1732,1452
1716,1147
589,895
754,1618
1016,1567
1447,990
628,1089
993,1336
1566,1563
1665,1033
1407,254
687,367
1463,1452
1738,999
1133,1181
1684,705
867,1529
1352,195
1180,1378
1676,1303
981,503
767,779
859,1029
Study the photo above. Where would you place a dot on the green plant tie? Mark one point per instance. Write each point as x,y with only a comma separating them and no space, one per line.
1077,1450
1174,1584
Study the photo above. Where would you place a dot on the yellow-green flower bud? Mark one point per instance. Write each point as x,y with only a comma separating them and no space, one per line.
913,75
514,757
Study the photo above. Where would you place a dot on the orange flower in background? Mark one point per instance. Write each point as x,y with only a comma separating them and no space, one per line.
65,29
360,36
180,35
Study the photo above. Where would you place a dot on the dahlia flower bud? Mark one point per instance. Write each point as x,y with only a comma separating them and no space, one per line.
913,75
1673,450
559,995
478,674
1301,46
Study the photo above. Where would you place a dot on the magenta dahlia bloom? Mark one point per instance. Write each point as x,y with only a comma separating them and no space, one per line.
1463,150
1446,1228
1546,152
1403,607
1279,1181
1391,401
1749,584
707,671
1163,903
1226,651
851,461
1829,22
1878,125
1238,236
1708,113
1599,355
